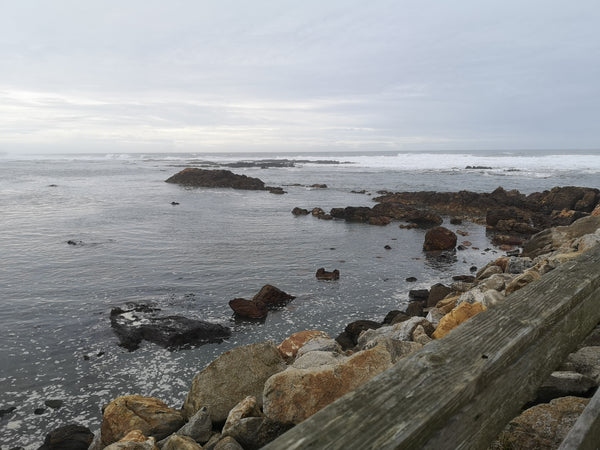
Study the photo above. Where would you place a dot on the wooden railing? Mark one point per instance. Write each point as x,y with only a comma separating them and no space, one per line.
461,391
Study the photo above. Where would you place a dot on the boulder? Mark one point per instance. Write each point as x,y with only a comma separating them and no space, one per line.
248,308
253,433
354,329
317,358
543,426
586,361
134,440
290,346
320,344
439,238
133,412
176,442
215,178
248,407
394,317
402,331
454,318
300,211
414,309
68,437
228,443
198,427
521,281
322,274
141,322
563,384
553,238
272,296
419,294
436,293
294,395
231,377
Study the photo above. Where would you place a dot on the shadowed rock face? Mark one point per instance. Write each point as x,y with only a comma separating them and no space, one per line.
216,178
172,332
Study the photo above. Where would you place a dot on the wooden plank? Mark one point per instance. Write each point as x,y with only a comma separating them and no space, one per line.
460,391
585,434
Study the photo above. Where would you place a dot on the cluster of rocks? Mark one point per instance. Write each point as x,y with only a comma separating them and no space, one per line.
511,215
195,177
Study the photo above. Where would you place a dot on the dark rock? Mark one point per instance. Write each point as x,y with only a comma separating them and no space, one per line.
174,203
319,186
414,309
563,384
571,198
353,213
381,221
54,404
473,269
456,221
275,190
354,329
387,247
7,411
73,242
322,274
141,322
248,308
411,279
418,294
317,212
272,296
299,211
215,178
39,411
437,292
465,278
439,238
345,341
68,437
478,168
253,433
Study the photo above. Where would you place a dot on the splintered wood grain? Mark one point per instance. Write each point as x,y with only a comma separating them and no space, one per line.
460,391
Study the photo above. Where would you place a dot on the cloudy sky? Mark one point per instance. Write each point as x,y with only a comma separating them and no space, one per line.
279,75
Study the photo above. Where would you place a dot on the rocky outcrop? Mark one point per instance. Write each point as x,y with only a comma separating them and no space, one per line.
215,178
553,239
231,377
142,322
133,412
439,238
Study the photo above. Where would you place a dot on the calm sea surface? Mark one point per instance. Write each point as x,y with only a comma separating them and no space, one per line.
192,258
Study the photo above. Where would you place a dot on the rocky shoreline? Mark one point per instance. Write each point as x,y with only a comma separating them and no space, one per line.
250,395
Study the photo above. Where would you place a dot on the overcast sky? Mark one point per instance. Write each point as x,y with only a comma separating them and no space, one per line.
279,75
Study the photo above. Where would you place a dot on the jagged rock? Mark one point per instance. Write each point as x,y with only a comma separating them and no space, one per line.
199,426
290,346
299,211
420,336
248,407
322,274
354,329
553,238
454,318
447,304
68,437
253,433
296,394
563,384
228,443
439,238
134,412
437,292
215,178
141,322
394,317
176,442
320,344
434,316
134,440
248,308
418,294
521,281
414,309
586,361
400,332
272,296
543,426
231,377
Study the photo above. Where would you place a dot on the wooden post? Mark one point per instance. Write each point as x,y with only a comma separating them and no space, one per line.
460,391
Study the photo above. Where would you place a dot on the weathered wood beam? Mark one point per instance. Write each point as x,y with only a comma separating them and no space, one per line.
460,391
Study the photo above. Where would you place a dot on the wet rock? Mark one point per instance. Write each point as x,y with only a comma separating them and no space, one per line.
269,297
418,294
322,274
414,309
394,317
299,211
272,296
54,403
437,292
411,279
253,433
248,308
231,377
543,426
215,178
134,412
141,322
380,221
439,238
7,411
354,329
68,437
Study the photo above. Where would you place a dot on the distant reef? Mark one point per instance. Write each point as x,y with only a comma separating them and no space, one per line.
220,179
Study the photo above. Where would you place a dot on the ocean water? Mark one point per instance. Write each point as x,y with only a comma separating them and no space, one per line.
192,258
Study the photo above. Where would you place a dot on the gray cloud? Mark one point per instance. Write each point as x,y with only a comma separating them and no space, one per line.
276,75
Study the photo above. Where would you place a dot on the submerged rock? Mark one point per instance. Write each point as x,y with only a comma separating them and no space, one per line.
323,274
269,297
439,238
68,437
142,322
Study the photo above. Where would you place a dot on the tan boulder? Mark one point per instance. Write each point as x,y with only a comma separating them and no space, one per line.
454,318
448,304
290,346
296,394
521,281
150,416
134,440
231,377
543,426
177,442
